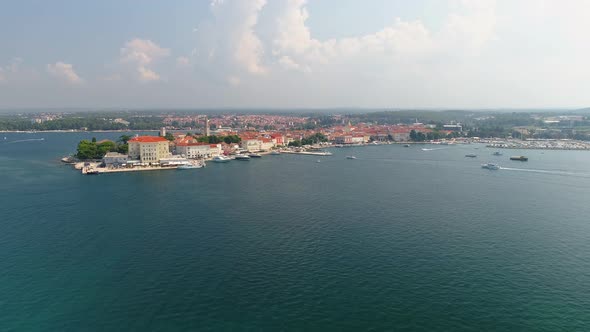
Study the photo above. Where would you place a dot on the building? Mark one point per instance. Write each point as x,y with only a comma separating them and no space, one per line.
453,127
251,145
148,149
195,150
114,159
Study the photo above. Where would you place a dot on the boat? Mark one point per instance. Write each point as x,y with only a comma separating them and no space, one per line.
243,157
470,155
189,166
318,161
497,153
255,155
350,157
519,158
490,166
275,152
406,145
221,159
92,171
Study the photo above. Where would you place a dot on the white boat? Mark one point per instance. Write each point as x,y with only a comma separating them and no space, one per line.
189,166
490,166
255,155
243,157
221,159
350,157
319,161
275,152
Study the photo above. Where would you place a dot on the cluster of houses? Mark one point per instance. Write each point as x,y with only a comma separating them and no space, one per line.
157,150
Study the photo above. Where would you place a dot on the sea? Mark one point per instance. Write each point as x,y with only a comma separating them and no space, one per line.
415,238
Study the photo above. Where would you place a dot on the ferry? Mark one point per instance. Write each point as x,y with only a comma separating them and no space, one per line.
255,155
490,166
519,158
243,157
221,159
471,155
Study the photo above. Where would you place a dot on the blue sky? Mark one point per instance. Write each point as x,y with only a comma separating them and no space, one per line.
294,53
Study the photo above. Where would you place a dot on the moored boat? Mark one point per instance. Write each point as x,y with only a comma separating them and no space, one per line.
221,159
189,166
242,157
255,155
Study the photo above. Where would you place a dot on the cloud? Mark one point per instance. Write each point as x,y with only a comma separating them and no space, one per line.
10,71
64,71
229,39
182,61
143,54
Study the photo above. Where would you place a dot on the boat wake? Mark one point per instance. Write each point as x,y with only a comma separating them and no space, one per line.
544,171
26,140
433,149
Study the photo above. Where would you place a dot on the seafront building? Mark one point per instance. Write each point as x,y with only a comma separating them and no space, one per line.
196,150
115,159
149,149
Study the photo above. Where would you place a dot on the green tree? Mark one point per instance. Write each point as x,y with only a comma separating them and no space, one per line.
169,136
124,139
86,150
104,147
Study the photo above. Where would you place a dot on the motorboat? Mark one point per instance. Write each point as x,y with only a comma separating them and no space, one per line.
470,155
490,166
243,157
189,166
519,158
255,155
221,159
497,153
350,157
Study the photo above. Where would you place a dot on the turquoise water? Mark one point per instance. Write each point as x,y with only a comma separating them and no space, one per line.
399,239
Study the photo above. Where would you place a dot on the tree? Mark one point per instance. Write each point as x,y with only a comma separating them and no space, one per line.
169,136
124,139
86,150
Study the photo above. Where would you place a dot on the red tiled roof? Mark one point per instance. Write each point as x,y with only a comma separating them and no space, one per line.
148,139
192,144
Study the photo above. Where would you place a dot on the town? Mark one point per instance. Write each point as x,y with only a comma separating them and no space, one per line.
240,137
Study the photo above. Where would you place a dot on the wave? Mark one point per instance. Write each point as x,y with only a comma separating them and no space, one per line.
433,149
544,171
26,140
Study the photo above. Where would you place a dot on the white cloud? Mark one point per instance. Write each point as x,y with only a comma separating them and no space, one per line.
64,71
11,70
182,61
228,39
142,54
147,75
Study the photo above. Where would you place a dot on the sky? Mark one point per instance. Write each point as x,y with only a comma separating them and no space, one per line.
295,54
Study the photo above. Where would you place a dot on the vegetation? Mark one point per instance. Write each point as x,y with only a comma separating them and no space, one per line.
313,139
219,139
96,150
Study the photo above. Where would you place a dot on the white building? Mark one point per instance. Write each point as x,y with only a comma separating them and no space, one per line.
198,150
149,149
115,158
